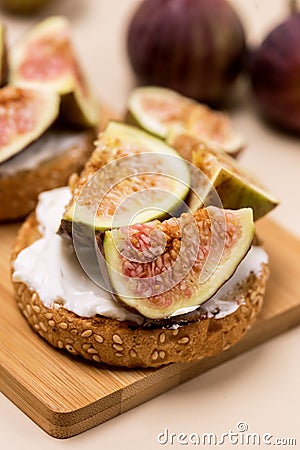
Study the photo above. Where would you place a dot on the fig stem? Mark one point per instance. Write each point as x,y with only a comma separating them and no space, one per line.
293,6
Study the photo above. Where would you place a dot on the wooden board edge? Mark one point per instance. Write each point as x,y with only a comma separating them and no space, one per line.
23,399
262,332
63,425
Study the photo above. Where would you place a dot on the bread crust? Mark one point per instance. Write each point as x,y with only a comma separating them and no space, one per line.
112,342
19,191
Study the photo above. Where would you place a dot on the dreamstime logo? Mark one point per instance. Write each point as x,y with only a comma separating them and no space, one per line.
240,436
135,190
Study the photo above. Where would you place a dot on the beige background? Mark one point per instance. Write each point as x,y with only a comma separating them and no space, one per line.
261,387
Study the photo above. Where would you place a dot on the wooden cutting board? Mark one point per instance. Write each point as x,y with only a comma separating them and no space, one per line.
66,396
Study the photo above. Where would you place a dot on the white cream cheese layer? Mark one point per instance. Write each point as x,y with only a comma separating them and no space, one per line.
50,267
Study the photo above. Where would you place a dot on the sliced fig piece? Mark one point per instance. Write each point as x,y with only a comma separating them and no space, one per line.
79,109
24,116
45,58
236,187
131,177
3,57
159,268
162,111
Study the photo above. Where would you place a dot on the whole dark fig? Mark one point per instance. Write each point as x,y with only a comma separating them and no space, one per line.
195,47
275,73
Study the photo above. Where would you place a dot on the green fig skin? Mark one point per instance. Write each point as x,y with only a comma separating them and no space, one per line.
235,186
235,194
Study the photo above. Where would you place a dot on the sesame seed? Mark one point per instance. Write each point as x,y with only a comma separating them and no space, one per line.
162,338
154,355
118,347
74,331
117,339
86,333
244,309
183,340
70,348
92,350
42,326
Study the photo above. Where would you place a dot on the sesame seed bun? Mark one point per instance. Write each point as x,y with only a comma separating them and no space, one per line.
21,183
120,343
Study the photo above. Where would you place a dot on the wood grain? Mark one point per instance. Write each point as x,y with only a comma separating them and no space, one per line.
65,395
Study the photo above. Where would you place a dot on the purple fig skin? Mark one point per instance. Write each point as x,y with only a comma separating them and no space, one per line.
275,73
195,47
